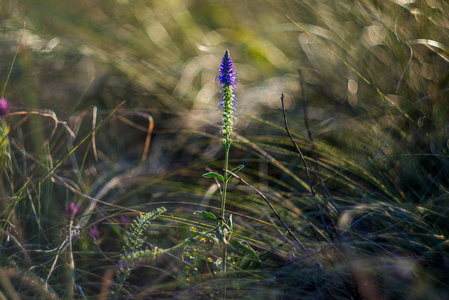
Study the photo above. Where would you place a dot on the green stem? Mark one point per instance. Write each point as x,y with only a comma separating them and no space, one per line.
223,202
225,183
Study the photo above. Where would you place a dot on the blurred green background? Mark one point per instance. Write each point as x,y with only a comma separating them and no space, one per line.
368,68
165,55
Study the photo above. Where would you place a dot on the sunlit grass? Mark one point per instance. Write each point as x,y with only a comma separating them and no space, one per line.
375,80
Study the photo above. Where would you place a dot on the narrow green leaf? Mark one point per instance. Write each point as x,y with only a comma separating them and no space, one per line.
230,222
249,250
213,175
207,215
235,170
221,233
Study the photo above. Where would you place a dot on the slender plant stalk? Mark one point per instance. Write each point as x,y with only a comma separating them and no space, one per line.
223,202
225,183
228,82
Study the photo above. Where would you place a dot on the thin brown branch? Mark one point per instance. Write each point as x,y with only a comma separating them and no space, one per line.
315,157
312,142
297,148
274,211
305,167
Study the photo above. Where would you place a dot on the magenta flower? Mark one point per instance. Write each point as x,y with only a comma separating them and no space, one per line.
4,107
74,210
123,220
94,232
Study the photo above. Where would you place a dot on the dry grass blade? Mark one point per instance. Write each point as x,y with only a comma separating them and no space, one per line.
82,141
94,123
148,130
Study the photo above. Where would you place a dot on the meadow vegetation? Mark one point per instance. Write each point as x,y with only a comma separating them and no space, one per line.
114,117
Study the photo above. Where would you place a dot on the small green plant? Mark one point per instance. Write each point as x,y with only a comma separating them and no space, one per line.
133,246
228,82
134,255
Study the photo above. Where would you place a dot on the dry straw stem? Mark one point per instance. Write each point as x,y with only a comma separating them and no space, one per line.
94,123
44,113
148,130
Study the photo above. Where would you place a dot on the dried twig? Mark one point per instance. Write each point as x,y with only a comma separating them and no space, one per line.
318,172
297,148
309,133
274,211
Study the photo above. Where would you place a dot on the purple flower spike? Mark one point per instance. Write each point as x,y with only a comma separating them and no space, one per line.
4,107
228,76
228,82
